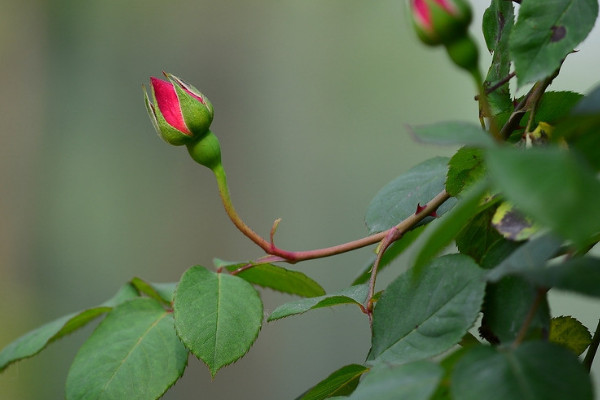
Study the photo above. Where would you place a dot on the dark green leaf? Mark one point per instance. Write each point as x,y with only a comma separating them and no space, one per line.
399,198
452,133
580,275
533,254
414,381
507,305
423,314
498,252
162,292
281,279
448,363
442,231
351,295
133,354
569,332
35,341
532,371
465,168
552,186
395,250
478,235
341,382
581,128
554,106
217,316
545,32
498,21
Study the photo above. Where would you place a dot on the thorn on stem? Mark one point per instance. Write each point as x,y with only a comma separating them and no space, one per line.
420,208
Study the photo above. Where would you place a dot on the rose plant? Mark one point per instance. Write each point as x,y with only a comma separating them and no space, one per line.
514,211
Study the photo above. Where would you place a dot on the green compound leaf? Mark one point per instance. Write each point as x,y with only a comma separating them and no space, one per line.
395,250
569,332
399,199
452,133
217,316
414,381
551,185
162,292
498,21
465,167
352,295
532,371
280,279
340,383
37,340
545,32
133,354
424,314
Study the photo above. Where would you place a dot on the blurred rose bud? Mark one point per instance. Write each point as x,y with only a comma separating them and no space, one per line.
179,112
440,21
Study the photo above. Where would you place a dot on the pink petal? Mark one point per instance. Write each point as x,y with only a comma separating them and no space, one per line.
421,13
168,104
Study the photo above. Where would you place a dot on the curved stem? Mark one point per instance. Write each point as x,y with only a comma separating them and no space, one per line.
275,254
591,353
484,106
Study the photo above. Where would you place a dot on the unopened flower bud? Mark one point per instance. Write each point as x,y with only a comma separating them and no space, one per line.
440,21
179,112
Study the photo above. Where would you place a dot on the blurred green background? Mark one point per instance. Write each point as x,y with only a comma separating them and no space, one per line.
311,101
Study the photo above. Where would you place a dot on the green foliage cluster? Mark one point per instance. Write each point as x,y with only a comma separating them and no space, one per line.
469,321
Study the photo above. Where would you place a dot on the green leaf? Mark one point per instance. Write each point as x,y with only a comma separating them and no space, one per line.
552,186
545,32
351,295
580,275
217,316
134,353
448,363
531,255
162,292
339,383
452,133
505,308
581,128
478,235
569,332
399,199
37,340
424,314
395,250
440,233
281,279
554,106
512,224
498,21
532,371
414,381
465,167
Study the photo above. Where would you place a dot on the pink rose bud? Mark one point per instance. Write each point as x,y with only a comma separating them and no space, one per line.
179,112
440,21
